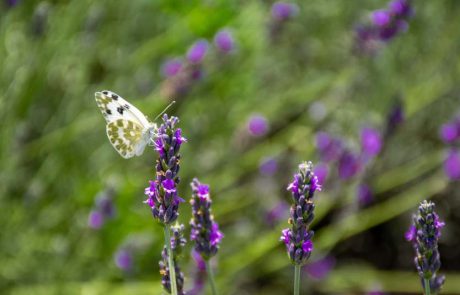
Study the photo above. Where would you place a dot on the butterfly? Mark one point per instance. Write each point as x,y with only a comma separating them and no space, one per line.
128,129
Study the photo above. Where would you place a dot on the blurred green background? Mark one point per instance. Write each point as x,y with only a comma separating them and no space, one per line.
55,157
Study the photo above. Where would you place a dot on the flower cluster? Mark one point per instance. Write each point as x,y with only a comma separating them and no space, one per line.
298,238
424,234
103,209
177,244
205,231
182,73
162,194
385,25
450,135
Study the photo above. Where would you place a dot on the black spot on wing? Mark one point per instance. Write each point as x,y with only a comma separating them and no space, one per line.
126,106
108,112
105,92
120,110
114,96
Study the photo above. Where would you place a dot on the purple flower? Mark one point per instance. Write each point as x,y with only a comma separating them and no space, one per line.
321,171
349,165
282,11
401,8
224,41
204,230
95,219
278,212
381,18
452,165
371,141
171,67
169,185
268,166
162,193
395,117
199,277
104,204
11,3
449,132
321,268
364,193
424,234
177,244
298,238
411,233
257,125
329,148
197,51
123,259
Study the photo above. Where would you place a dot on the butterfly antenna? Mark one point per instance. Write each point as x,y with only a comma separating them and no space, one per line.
166,108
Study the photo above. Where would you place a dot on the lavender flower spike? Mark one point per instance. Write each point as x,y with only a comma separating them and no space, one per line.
424,235
177,244
162,194
298,237
205,231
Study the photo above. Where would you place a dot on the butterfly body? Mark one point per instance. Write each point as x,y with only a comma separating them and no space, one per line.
128,129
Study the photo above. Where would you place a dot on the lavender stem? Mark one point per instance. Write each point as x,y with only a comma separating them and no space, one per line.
427,287
297,279
211,277
172,269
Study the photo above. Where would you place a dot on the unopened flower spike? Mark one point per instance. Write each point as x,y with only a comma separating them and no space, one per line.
298,237
424,234
205,231
177,244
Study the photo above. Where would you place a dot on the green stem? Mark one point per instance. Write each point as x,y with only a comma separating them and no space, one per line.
297,280
427,287
172,269
211,277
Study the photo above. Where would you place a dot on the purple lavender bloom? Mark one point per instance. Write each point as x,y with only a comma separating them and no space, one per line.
177,244
319,269
258,125
452,165
321,171
123,259
395,117
162,192
364,194
282,11
171,67
11,3
349,165
95,219
205,231
268,166
411,233
329,148
381,18
427,228
104,204
199,276
224,41
197,51
401,8
278,212
371,141
298,238
449,132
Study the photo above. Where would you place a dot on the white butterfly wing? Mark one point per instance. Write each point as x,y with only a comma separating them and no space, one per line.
128,129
